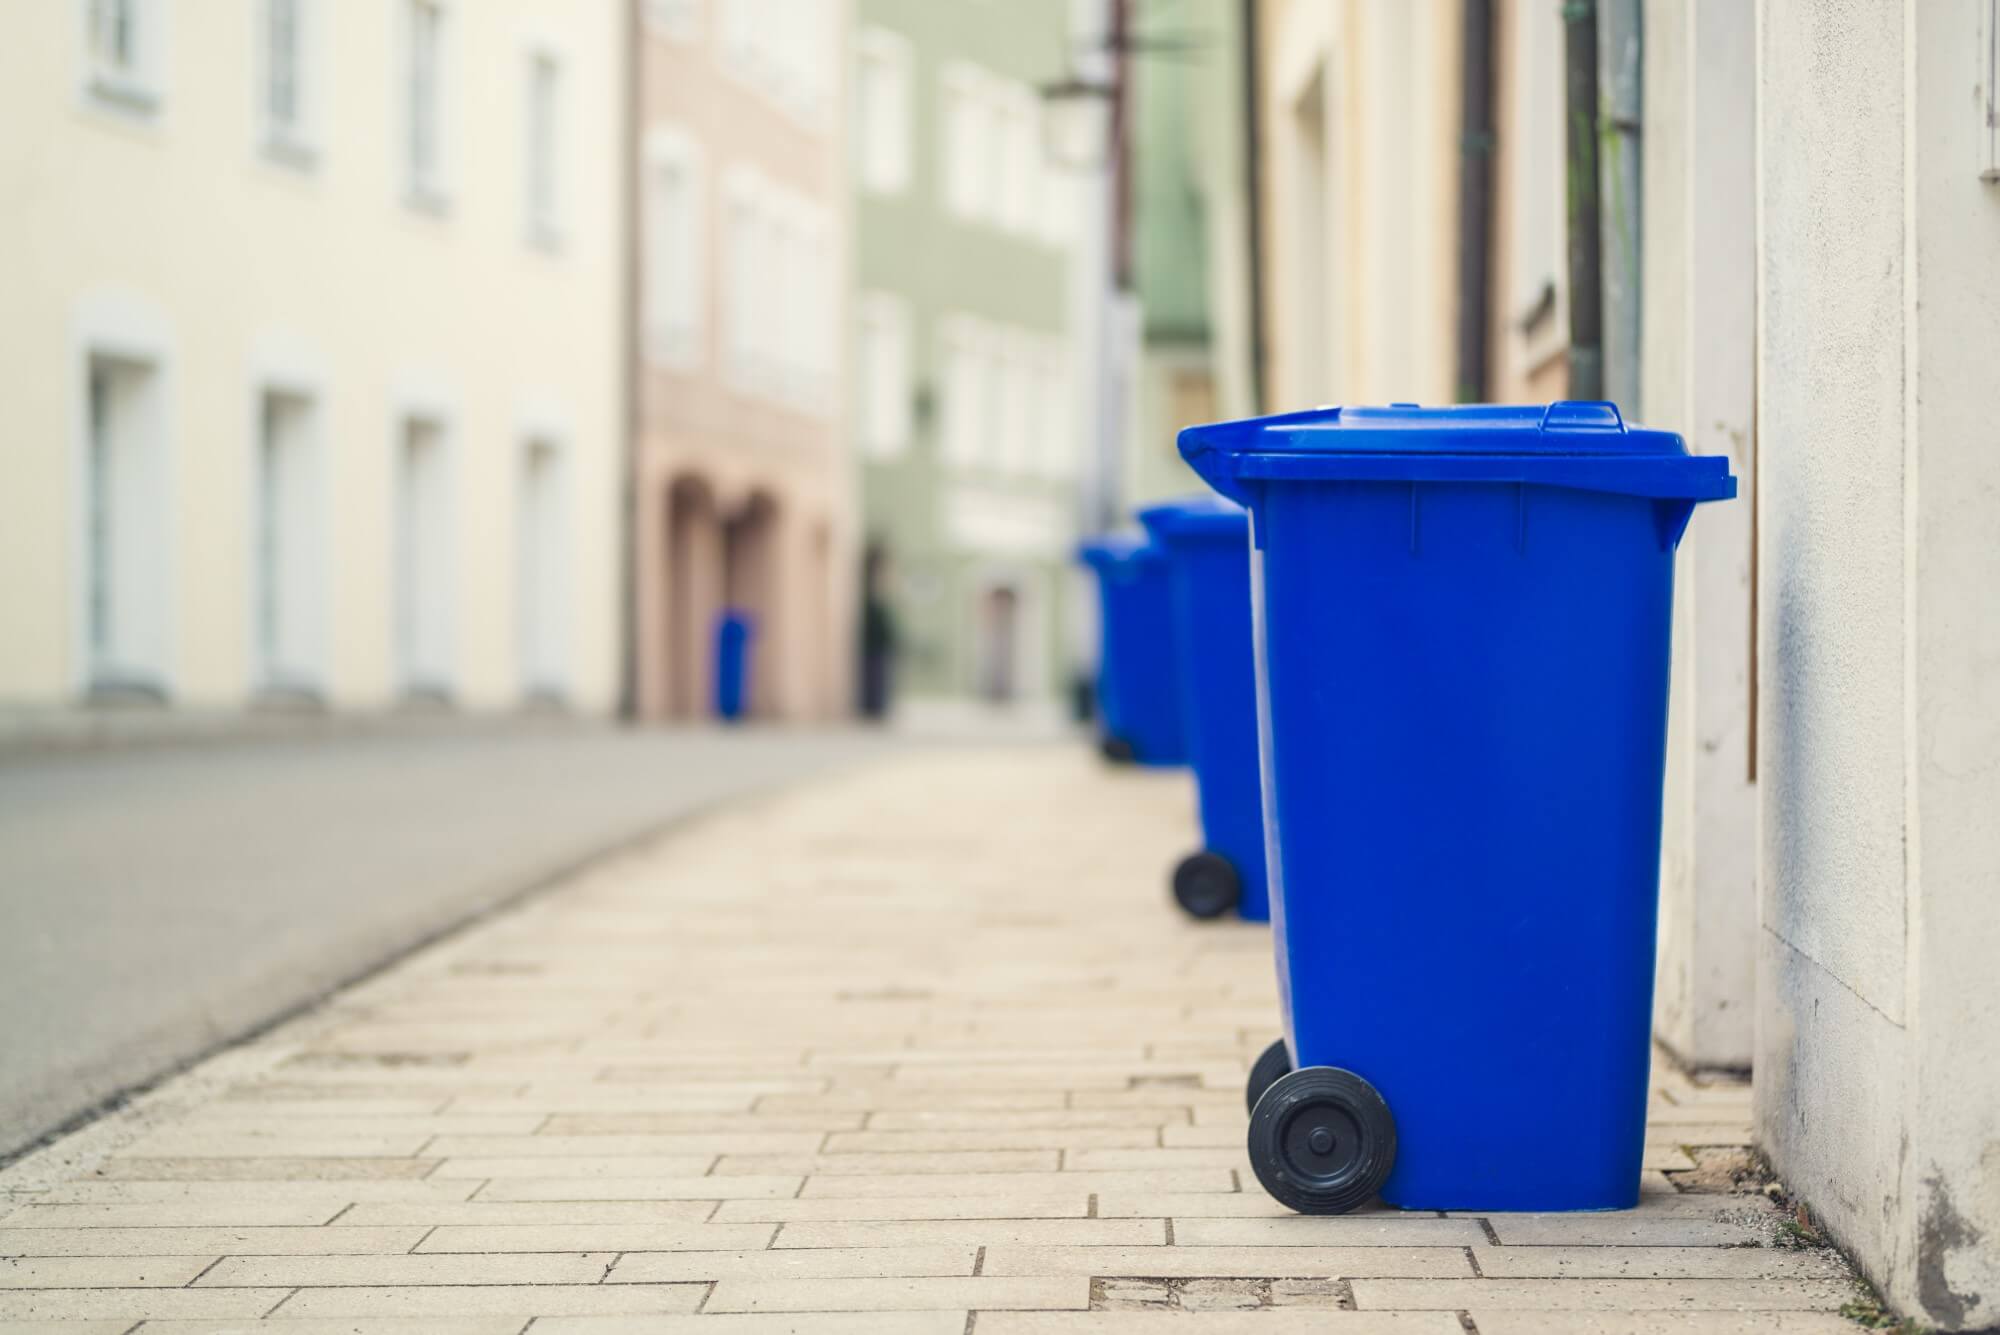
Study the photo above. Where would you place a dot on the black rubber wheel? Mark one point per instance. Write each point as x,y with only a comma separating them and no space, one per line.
1322,1140
1117,750
1271,1063
1206,885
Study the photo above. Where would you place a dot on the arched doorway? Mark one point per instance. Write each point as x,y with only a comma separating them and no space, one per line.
694,594
750,583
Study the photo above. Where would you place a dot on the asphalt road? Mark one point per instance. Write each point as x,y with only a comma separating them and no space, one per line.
158,901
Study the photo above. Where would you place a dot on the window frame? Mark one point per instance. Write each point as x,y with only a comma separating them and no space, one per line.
427,185
674,333
137,89
543,143
879,171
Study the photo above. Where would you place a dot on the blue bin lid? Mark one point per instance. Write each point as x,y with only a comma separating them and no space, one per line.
1196,517
1567,444
1114,548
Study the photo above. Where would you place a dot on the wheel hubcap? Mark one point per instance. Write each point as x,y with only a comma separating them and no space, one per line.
1322,1145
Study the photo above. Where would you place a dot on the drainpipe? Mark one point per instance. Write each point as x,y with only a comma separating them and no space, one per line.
1475,200
1621,37
1253,189
1586,314
628,317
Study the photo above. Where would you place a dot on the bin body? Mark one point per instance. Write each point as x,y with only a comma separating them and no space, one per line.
1138,672
735,633
1208,548
1463,700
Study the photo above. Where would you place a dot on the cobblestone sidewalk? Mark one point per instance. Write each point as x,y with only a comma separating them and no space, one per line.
920,1051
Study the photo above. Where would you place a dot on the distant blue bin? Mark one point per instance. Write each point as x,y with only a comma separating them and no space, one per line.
735,632
1138,668
1208,546
1463,620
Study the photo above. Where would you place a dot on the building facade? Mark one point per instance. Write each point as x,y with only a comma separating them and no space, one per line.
742,482
311,331
966,404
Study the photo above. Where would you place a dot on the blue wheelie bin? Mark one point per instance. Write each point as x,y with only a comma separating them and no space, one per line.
734,632
1207,542
1138,673
1463,618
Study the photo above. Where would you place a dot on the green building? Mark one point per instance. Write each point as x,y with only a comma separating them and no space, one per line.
1191,230
966,411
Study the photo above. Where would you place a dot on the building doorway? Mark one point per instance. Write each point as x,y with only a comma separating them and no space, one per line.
999,652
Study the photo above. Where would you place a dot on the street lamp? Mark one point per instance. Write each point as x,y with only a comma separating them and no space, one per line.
1076,122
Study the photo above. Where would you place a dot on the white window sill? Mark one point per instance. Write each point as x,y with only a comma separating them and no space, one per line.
288,148
427,198
123,93
545,237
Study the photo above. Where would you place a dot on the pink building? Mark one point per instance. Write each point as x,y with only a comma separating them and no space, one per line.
745,493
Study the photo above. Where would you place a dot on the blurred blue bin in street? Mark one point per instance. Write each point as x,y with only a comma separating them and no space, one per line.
1463,620
1138,666
1207,542
735,633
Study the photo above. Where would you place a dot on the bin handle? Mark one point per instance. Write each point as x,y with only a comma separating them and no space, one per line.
1582,415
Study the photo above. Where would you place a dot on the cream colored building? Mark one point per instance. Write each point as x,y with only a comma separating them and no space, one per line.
744,488
310,326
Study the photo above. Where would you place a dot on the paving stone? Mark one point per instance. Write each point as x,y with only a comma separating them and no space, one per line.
1304,1262
317,1271
685,1188
864,1208
100,1272
1053,1138
272,1169
202,1241
982,1294
1662,1323
881,1165
502,1325
1035,1119
595,1237
1656,1263
1251,1204
977,1232
519,1301
1609,1295
1623,1228
760,1323
695,1144
1299,1321
995,1185
808,1263
576,1166
42,1306
314,1191
683,1123
177,1214
522,1213
1361,1230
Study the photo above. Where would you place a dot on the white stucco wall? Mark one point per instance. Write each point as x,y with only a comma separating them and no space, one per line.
1699,368
1878,1097
246,268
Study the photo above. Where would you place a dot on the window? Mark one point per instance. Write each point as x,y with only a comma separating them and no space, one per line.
544,547
543,172
882,111
123,53
285,594
1017,159
965,376
744,256
1055,437
1013,390
785,49
882,363
967,138
675,291
425,92
126,536
423,567
282,98
992,169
